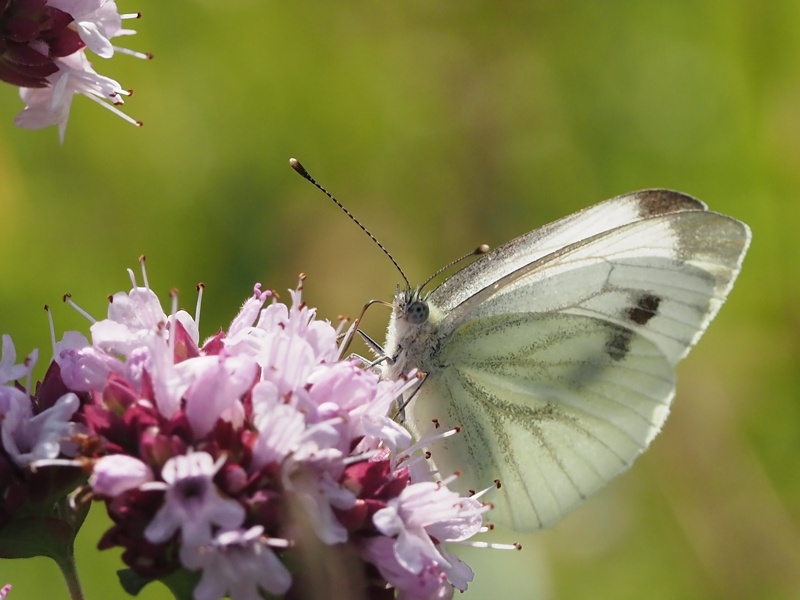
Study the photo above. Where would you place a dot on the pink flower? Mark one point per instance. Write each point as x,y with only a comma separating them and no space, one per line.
42,50
216,391
423,516
9,371
83,367
429,582
28,437
11,396
96,21
115,474
50,105
192,502
239,565
280,427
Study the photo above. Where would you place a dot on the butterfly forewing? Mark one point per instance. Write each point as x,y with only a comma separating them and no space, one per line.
665,276
555,353
553,237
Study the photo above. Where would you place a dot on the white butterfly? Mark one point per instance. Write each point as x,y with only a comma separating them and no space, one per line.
555,354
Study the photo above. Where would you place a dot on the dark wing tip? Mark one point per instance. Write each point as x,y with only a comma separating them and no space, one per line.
662,202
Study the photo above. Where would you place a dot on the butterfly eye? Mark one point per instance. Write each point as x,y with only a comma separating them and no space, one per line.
417,312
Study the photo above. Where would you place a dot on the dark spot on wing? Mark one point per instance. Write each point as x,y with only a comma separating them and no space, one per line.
619,342
662,202
646,308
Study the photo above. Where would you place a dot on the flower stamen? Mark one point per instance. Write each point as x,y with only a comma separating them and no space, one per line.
67,299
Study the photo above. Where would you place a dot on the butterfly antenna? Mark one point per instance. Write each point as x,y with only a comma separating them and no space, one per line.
295,164
482,249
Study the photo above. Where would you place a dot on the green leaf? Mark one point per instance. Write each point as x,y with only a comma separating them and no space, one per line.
36,536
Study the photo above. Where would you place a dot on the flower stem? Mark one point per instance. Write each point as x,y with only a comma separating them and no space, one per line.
70,573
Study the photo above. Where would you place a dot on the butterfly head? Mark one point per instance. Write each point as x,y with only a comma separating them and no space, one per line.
412,326
411,305
412,338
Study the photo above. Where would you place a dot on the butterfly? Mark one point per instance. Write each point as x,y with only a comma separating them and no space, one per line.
555,353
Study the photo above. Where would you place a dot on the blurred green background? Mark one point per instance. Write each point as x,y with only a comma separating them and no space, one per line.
443,125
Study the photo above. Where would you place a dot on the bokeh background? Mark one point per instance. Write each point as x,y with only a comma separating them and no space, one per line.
443,125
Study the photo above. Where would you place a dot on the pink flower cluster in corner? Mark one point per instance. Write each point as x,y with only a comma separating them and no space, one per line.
238,456
42,50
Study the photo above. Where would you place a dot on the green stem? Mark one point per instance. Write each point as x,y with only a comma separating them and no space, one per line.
70,572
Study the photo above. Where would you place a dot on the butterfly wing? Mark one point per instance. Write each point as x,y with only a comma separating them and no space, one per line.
561,371
551,238
545,408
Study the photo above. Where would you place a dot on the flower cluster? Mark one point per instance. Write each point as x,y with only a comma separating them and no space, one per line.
245,460
42,50
33,428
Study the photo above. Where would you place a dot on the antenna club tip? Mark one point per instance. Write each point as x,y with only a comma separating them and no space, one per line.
482,249
297,166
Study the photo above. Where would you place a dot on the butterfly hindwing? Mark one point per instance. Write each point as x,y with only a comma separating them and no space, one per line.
547,405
